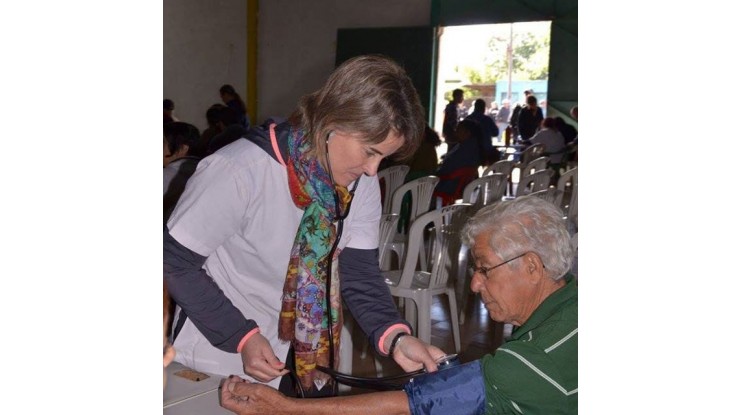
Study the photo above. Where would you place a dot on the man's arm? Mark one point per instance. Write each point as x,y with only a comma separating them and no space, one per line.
246,398
459,389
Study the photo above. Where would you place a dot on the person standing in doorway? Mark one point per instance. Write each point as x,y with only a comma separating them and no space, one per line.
502,118
451,118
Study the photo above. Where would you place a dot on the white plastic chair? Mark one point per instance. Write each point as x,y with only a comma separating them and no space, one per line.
421,190
421,286
485,190
480,192
535,165
504,167
568,183
536,181
530,153
388,225
392,178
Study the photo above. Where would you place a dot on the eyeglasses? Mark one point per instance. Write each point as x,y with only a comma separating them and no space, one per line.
485,271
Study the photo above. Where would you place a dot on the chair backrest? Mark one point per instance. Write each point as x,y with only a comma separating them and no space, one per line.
568,183
421,190
550,194
391,178
445,240
485,190
540,163
532,152
388,223
502,166
536,181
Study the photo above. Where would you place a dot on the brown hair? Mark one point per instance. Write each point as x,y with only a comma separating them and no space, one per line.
369,95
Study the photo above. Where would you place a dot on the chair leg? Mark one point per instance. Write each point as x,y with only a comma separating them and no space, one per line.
345,352
363,354
378,367
454,319
411,314
461,281
465,298
425,318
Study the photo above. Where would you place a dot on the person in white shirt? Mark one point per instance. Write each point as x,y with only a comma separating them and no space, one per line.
276,230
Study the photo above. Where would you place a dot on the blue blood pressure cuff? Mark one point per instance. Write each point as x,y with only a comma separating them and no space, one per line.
456,390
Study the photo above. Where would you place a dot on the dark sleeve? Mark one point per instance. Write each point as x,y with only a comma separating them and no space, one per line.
366,294
200,298
449,122
495,128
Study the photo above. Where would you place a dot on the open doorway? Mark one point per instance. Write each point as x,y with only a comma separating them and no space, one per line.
494,62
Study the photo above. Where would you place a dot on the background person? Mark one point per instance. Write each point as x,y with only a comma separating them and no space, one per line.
169,111
232,99
486,123
529,120
502,118
522,256
451,117
554,142
179,161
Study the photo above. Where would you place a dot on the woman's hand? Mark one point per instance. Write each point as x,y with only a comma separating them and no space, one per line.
413,354
260,361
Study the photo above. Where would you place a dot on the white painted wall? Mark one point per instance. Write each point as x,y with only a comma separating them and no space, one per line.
205,46
297,42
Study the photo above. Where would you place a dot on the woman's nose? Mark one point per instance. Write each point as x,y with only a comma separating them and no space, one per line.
371,166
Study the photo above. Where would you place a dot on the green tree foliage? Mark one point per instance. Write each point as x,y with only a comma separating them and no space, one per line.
530,59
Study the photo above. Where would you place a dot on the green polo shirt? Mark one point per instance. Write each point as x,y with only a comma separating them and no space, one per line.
536,372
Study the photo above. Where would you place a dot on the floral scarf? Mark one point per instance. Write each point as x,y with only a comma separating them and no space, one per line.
303,319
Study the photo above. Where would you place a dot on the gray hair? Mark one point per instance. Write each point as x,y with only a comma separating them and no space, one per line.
525,224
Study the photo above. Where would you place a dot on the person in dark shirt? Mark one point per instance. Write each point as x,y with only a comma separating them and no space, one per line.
568,131
232,99
169,107
451,117
529,120
230,129
486,123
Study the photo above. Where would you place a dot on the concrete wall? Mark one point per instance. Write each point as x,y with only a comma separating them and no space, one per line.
297,42
205,46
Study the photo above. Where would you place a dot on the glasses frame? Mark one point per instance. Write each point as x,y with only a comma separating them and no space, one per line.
485,271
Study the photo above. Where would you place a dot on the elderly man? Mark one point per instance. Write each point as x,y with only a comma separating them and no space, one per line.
522,257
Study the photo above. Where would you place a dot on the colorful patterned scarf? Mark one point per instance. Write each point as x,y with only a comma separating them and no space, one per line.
303,318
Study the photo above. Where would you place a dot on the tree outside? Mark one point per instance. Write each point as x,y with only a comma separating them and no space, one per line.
476,59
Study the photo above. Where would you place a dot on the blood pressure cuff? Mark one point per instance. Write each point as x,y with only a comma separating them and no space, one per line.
456,390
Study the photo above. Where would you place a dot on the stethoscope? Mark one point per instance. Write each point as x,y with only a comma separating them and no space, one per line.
378,383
